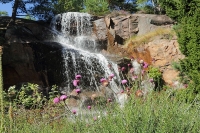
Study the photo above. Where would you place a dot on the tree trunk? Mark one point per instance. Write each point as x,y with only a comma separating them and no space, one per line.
14,13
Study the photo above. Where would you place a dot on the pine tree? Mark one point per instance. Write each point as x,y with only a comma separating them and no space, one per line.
187,14
96,7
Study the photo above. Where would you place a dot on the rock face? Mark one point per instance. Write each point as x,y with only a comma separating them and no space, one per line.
158,52
29,57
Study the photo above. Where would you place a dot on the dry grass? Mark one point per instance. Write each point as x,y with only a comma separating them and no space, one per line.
135,41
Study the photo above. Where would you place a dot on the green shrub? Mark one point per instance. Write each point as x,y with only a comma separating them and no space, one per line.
29,96
156,74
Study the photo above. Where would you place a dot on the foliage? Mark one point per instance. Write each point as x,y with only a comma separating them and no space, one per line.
62,6
186,13
3,13
157,113
28,96
156,74
96,7
129,5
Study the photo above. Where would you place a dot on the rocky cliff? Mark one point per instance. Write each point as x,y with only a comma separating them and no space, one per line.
30,55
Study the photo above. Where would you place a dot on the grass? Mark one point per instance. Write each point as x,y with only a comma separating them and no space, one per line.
135,41
158,112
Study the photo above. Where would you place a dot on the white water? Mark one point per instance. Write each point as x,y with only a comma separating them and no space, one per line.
80,51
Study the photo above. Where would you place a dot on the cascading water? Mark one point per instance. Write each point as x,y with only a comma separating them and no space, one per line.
80,52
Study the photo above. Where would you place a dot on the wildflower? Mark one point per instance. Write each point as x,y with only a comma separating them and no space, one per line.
102,80
151,80
122,91
134,77
123,68
129,65
145,65
76,82
143,72
185,85
78,91
111,76
131,70
63,97
56,100
95,118
124,81
74,111
89,107
109,100
78,76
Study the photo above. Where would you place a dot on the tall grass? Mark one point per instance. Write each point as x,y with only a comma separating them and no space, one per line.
157,112
134,41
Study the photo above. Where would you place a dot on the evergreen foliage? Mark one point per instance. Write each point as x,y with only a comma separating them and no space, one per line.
3,13
96,7
62,6
125,5
187,14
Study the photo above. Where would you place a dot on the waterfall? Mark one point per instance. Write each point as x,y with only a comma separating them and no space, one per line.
80,52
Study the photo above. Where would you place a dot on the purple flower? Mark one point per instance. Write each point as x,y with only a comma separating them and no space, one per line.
111,76
129,65
76,82
74,111
78,77
63,97
124,81
102,80
56,100
145,65
78,91
89,107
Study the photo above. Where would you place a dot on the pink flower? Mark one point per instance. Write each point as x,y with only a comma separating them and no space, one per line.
151,80
76,82
56,100
63,97
95,118
78,77
124,81
145,65
122,91
111,76
89,107
131,70
109,100
78,91
74,111
134,77
102,80
143,72
123,68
